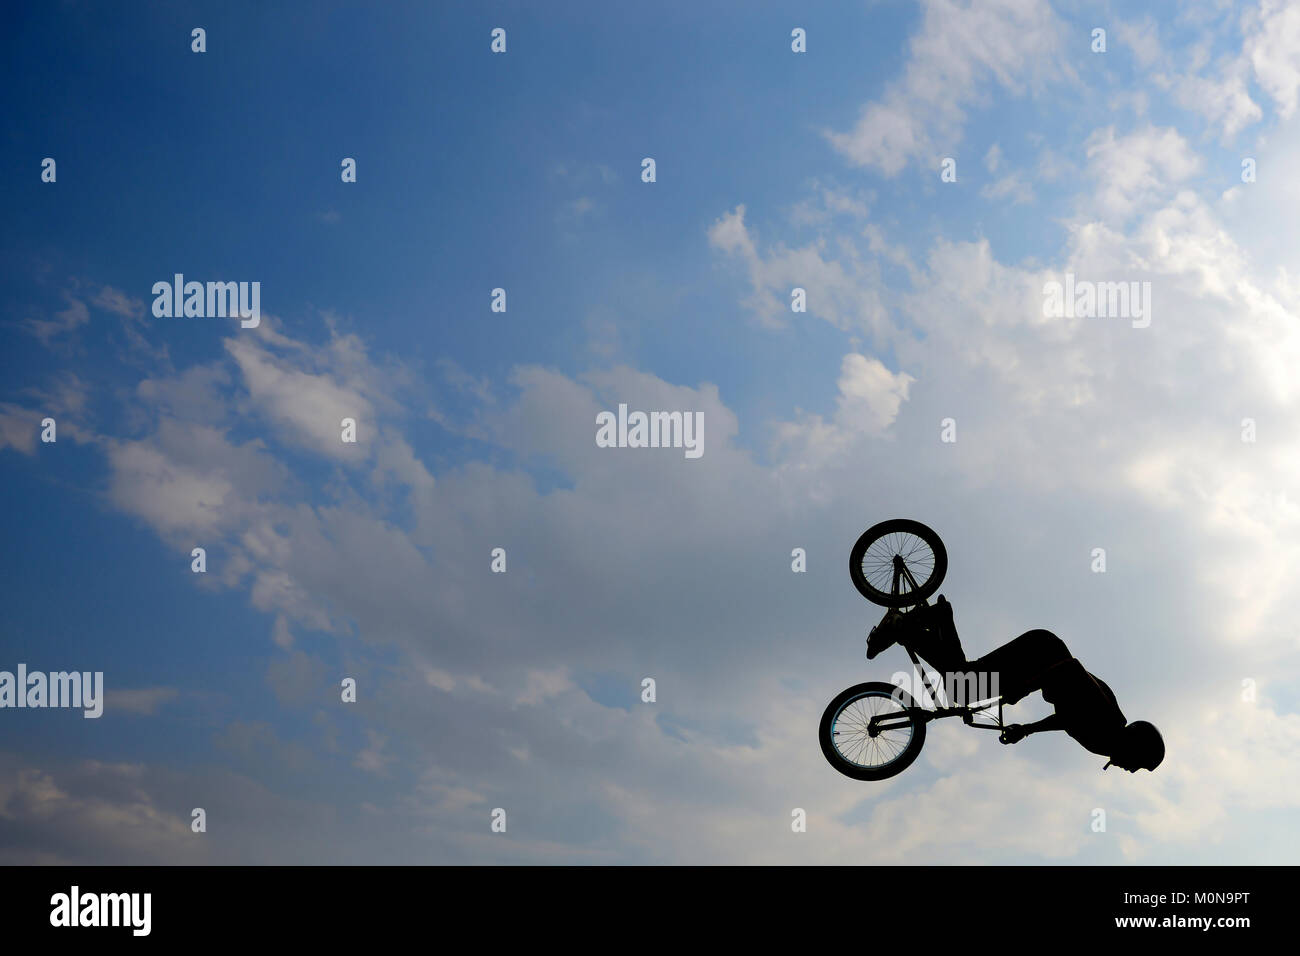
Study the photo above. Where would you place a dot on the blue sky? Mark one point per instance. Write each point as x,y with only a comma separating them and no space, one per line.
523,171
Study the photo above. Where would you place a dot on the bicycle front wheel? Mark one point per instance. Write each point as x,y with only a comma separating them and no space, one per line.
848,743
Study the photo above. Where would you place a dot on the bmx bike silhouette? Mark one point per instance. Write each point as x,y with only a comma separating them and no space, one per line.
875,730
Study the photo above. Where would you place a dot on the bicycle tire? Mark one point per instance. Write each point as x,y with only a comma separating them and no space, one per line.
901,528
827,734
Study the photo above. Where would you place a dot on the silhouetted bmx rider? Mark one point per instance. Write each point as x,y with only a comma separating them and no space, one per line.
1086,708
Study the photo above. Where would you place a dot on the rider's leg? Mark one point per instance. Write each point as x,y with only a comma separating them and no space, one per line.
1022,664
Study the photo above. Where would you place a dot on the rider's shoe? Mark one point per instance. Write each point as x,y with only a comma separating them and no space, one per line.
885,634
897,626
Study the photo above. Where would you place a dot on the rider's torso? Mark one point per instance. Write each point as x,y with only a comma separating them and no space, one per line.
1087,707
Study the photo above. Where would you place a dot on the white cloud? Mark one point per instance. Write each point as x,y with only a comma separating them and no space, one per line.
957,56
309,406
170,496
88,815
543,685
64,322
119,303
19,427
1273,48
993,158
1136,169
840,287
870,396
1012,187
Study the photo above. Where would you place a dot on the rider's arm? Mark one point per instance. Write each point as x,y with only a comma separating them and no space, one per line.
1053,722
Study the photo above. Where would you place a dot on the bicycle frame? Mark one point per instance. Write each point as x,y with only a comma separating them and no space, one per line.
922,714
967,712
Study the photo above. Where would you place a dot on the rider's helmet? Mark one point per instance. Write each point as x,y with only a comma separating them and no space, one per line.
1140,747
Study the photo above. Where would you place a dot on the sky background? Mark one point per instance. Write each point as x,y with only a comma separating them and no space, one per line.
476,429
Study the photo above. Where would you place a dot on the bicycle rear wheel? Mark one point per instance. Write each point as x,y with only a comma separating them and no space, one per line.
898,563
849,746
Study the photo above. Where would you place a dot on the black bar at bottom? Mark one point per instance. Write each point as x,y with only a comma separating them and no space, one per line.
958,905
